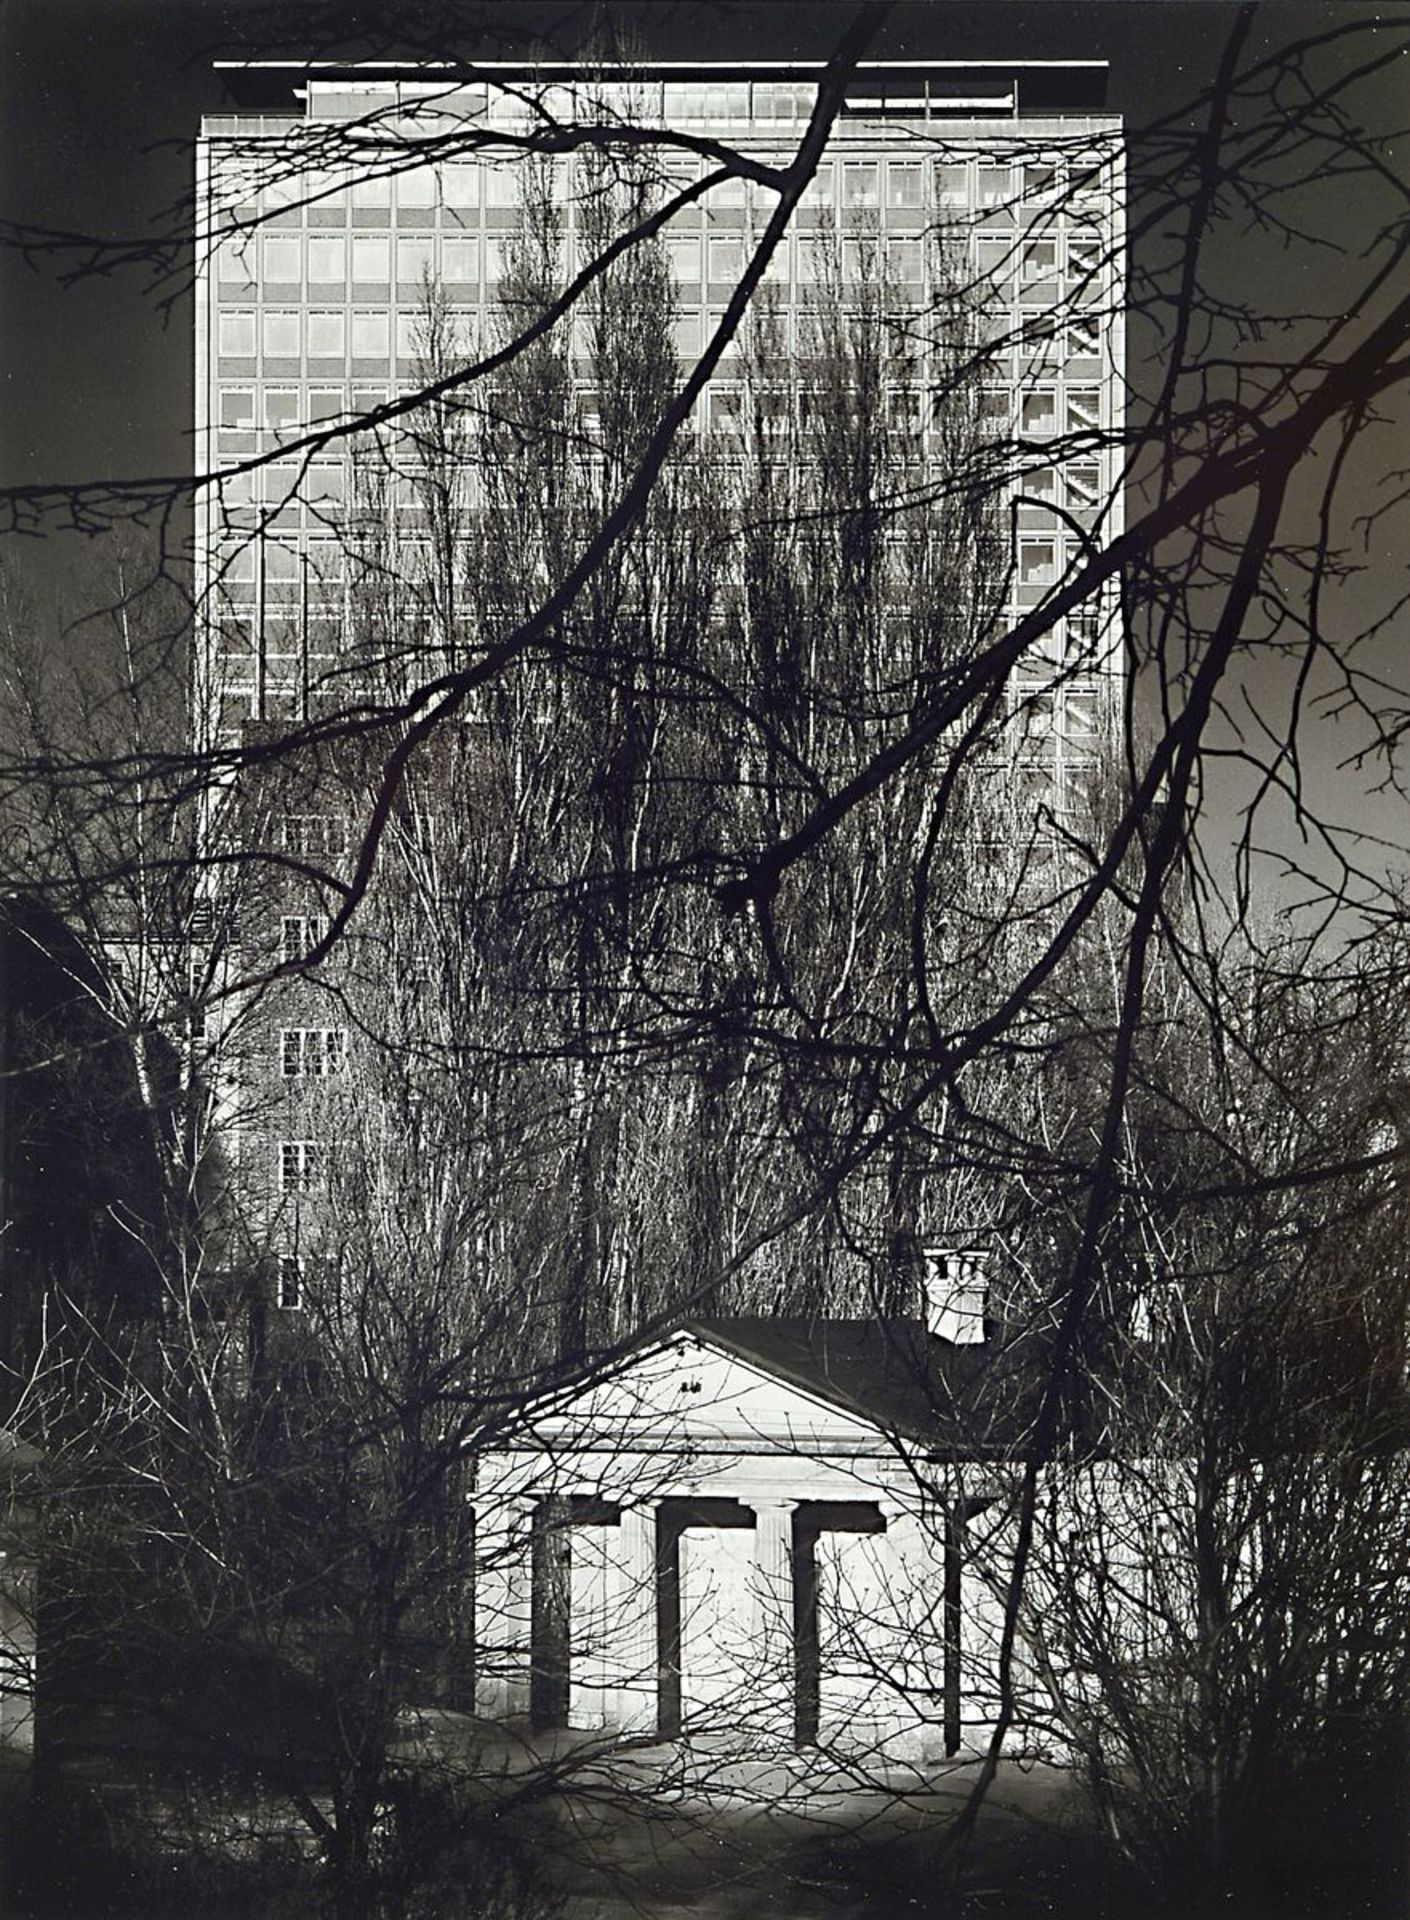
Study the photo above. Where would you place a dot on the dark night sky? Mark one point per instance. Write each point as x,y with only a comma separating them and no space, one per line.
101,99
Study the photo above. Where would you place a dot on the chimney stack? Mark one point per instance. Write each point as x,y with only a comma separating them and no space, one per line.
956,1295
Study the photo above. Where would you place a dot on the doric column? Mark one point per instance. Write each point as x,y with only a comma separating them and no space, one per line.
906,1649
637,1656
502,1608
771,1649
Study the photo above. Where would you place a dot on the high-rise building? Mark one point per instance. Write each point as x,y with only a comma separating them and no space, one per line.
321,225
365,229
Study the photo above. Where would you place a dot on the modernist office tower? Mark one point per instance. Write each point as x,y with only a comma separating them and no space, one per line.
365,232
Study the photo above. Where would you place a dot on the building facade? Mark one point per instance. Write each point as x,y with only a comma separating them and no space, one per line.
320,227
365,232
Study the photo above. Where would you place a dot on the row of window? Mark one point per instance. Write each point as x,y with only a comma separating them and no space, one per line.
287,333
290,262
289,411
982,180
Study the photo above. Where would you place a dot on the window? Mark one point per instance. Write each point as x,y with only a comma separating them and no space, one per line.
729,193
312,1053
417,188
683,252
415,259
281,334
1037,562
299,935
324,483
773,409
1083,335
903,409
859,183
995,183
302,1166
411,335
819,190
371,190
461,186
325,403
1079,714
237,334
327,258
290,1292
724,411
460,261
372,257
1039,257
281,564
1084,255
371,335
311,834
1084,626
951,183
1084,409
237,490
326,336
726,259
498,258
281,409
237,408
1037,341
1038,411
1084,481
995,409
236,264
904,184
287,190
282,259
906,262
501,186
994,257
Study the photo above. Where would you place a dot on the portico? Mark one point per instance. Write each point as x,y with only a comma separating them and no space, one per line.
706,1542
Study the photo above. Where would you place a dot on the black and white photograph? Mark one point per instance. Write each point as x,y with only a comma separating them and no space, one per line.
704,960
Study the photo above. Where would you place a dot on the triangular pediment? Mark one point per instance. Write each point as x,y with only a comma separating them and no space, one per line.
688,1393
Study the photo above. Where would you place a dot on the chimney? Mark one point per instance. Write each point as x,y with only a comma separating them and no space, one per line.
956,1295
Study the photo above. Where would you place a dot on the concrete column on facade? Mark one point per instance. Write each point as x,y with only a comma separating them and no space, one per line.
636,1640
771,1640
503,1609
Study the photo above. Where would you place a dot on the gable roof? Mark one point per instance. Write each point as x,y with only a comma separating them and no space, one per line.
969,1401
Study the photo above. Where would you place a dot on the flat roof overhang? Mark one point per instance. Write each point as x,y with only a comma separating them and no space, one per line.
1042,86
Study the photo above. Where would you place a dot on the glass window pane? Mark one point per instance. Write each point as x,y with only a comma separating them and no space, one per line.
281,335
327,258
237,334
371,257
371,335
326,336
237,407
282,257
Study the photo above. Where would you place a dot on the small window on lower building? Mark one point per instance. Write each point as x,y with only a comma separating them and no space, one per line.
301,1166
312,1052
290,1294
300,934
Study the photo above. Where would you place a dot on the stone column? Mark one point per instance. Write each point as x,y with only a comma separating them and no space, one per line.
906,1648
502,1611
770,1651
637,1657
